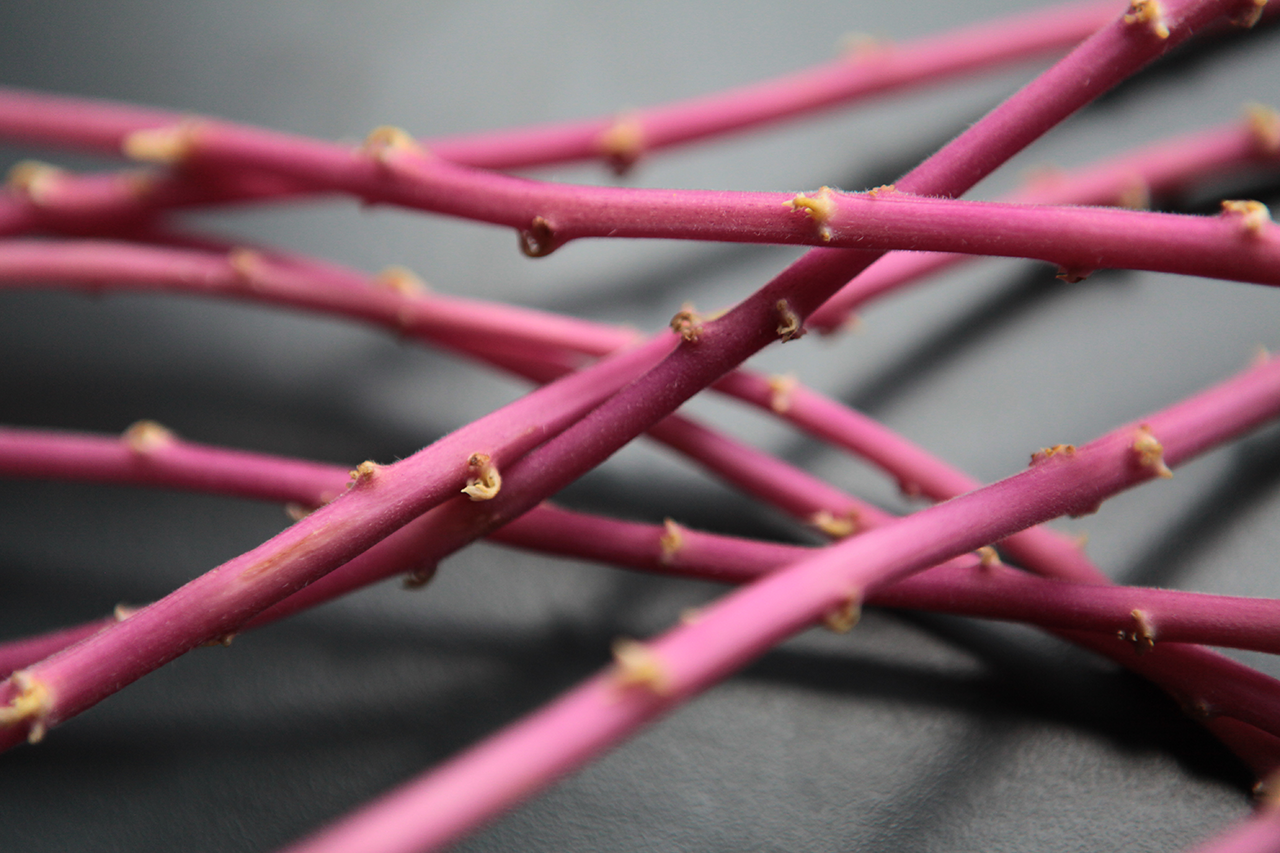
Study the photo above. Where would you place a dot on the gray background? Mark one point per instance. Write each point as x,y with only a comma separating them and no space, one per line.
912,733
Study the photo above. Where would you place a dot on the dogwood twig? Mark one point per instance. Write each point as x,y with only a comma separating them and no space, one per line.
652,678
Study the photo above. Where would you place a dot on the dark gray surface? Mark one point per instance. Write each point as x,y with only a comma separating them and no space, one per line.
912,733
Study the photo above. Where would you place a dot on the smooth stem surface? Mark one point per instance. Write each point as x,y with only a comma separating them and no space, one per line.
380,500
1130,180
961,587
655,677
102,126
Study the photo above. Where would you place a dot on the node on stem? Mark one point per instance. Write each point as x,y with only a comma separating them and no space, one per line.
1143,635
842,619
146,437
863,45
401,280
32,705
164,145
419,577
836,525
297,511
1253,216
1264,125
363,474
1250,12
789,323
1149,452
538,240
671,541
637,665
1072,275
622,143
246,264
1148,13
1135,194
687,323
1046,453
33,180
820,207
781,388
223,640
386,141
485,481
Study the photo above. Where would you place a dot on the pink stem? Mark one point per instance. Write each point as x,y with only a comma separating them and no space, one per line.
713,348
148,455
102,126
548,215
392,300
1115,49
962,587
1126,181
653,678
380,500
878,70
15,654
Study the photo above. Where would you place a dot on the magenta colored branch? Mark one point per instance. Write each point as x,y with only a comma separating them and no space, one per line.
1126,181
875,70
380,500
802,495
548,215
15,654
714,348
653,678
149,455
963,587
392,169
101,126
393,300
